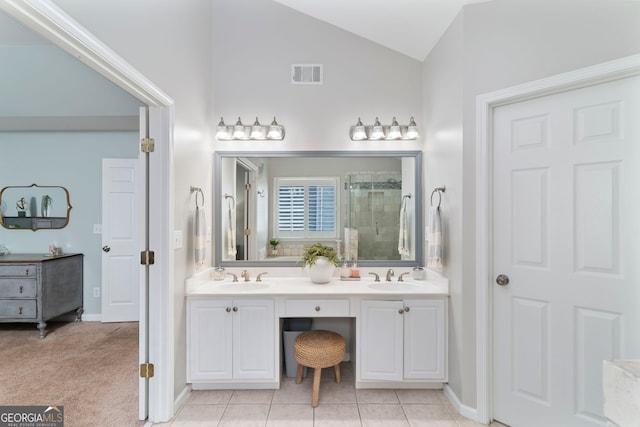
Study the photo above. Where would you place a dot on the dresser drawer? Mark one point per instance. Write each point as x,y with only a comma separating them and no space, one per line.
25,270
18,288
316,308
18,309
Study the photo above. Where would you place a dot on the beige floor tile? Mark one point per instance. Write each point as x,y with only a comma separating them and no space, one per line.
333,392
290,416
290,392
376,396
382,415
336,415
244,416
428,415
210,397
251,396
421,396
198,415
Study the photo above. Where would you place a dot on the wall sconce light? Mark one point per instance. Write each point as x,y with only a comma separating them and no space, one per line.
254,132
374,132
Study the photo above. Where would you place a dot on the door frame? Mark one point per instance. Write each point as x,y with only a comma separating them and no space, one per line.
48,20
485,104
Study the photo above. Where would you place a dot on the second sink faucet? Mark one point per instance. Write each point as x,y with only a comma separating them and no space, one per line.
245,275
389,275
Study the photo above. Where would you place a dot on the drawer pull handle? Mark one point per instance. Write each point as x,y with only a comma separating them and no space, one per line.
20,311
317,308
20,288
26,272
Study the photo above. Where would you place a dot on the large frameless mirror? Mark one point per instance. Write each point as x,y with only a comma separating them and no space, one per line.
269,206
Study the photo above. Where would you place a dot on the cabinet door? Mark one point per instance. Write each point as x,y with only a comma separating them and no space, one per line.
253,339
209,337
381,340
424,339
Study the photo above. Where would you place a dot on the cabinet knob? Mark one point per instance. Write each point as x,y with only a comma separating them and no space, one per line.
401,311
406,309
20,288
317,308
235,309
228,309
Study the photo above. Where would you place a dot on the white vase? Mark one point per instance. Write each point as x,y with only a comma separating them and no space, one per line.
321,271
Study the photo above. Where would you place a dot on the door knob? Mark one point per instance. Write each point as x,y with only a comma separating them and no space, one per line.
106,248
502,280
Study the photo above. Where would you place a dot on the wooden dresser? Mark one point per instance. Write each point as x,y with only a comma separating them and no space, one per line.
36,288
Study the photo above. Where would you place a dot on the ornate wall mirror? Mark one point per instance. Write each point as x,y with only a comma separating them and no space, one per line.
34,207
268,206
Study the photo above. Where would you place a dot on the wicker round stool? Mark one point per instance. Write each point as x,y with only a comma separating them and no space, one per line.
318,349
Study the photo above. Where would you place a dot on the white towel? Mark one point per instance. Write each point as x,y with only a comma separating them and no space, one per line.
200,244
403,234
231,233
434,256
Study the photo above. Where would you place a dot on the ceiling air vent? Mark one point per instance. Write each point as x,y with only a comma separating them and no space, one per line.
306,74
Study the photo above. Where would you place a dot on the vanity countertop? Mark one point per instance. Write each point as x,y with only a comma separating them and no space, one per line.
298,286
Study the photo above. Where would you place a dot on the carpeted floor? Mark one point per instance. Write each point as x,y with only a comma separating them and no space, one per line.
90,368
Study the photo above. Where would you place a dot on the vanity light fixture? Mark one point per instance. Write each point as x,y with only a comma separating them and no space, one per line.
374,132
253,132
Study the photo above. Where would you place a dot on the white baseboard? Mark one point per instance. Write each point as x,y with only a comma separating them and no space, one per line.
181,399
92,317
462,409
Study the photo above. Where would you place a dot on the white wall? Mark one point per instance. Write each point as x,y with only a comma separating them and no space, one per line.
496,45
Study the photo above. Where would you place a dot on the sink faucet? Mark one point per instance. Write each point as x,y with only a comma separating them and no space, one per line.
400,277
377,277
235,278
245,275
389,275
259,278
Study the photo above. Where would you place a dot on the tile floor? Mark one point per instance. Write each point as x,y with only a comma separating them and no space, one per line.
340,405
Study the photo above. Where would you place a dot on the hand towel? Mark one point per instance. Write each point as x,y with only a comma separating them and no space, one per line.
200,244
231,233
403,234
434,256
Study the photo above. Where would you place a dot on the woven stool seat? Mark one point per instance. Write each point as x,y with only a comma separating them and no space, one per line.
318,349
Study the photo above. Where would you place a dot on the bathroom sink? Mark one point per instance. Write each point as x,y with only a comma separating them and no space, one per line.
394,286
241,287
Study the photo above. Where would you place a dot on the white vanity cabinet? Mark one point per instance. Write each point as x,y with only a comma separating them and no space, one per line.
402,340
230,340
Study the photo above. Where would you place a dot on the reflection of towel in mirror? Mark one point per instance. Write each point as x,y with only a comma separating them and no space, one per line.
231,233
200,244
434,255
403,235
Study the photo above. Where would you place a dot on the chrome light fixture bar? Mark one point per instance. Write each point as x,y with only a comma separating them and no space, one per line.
377,131
256,131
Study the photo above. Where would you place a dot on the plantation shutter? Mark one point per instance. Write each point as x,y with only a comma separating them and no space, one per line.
291,208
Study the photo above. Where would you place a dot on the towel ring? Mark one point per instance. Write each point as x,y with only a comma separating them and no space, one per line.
229,196
438,190
198,190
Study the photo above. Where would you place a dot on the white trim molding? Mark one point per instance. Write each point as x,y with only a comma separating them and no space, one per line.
485,104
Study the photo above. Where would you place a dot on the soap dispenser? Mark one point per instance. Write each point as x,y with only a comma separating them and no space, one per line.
218,273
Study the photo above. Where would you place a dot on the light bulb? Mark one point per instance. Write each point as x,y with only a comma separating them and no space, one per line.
358,132
377,132
394,130
238,130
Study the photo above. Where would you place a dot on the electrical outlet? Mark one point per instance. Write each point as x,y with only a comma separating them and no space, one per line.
96,292
177,239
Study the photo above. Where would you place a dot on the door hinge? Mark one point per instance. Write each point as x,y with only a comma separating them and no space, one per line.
146,370
247,231
147,145
147,257
247,187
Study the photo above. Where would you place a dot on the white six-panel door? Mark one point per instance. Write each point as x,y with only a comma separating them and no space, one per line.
566,213
120,240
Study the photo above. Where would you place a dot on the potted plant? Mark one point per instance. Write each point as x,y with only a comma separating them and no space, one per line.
274,244
47,202
321,260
